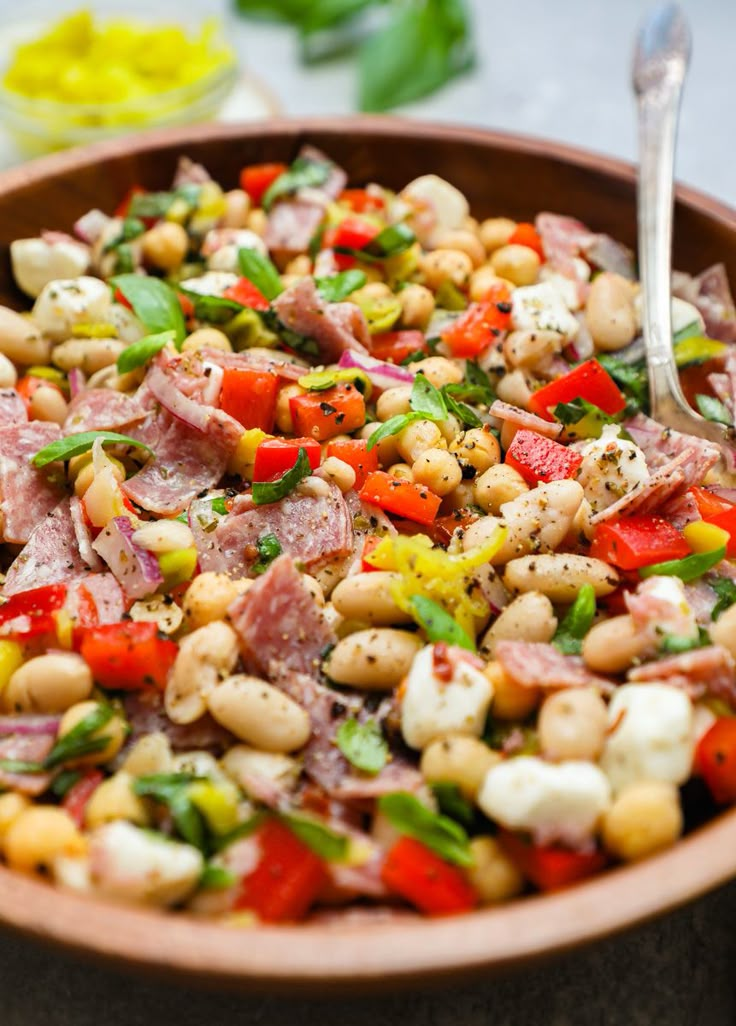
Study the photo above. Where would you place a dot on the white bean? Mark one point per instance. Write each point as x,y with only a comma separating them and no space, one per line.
368,597
531,349
8,373
610,312
612,646
339,472
204,657
49,683
560,576
158,609
259,714
88,354
530,617
243,764
377,659
723,631
458,759
20,339
47,403
163,536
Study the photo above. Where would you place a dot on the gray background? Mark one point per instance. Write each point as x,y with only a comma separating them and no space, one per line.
558,69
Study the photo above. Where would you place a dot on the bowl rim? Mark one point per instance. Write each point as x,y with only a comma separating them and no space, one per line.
354,956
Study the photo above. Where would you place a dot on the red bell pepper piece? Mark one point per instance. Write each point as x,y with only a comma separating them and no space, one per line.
395,346
87,614
402,498
29,614
425,880
351,233
525,234
118,297
128,656
355,453
246,293
709,504
538,458
186,304
634,542
588,381
256,179
287,879
77,797
550,867
482,323
370,543
443,528
249,395
275,456
361,201
715,759
334,411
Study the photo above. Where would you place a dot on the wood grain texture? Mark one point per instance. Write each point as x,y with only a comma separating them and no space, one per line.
500,175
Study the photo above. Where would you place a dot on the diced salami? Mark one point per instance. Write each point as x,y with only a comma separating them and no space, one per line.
51,556
563,239
25,748
606,254
146,715
665,484
681,511
711,294
27,494
661,445
523,419
277,620
330,327
102,409
12,408
709,670
535,665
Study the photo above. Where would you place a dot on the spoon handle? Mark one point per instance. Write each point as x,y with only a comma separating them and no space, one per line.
660,62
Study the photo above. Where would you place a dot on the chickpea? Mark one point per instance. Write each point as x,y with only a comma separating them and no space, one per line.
439,371
165,245
450,428
257,221
443,265
47,403
531,349
11,806
417,438
511,701
723,631
237,208
393,402
479,448
85,475
497,485
115,731
207,338
519,264
284,421
439,470
493,875
496,232
115,799
465,242
417,306
458,498
572,724
8,373
40,834
49,684
458,759
645,817
339,472
482,280
401,470
208,596
514,388
374,290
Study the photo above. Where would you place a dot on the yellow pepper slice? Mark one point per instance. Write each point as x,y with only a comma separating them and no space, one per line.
11,658
702,537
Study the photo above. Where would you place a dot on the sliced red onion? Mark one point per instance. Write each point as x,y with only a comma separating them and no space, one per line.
173,400
136,568
91,225
382,375
213,375
29,725
77,381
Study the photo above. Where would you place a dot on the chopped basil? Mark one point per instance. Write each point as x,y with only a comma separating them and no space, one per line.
725,589
426,399
569,635
394,239
363,745
215,309
674,644
437,624
713,409
326,843
259,270
453,803
465,414
336,287
65,781
630,377
216,878
269,547
75,445
138,353
582,418
272,491
80,740
171,790
124,259
131,228
21,766
687,569
158,204
304,173
392,426
440,833
154,302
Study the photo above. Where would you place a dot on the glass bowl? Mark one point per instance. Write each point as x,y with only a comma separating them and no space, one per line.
39,126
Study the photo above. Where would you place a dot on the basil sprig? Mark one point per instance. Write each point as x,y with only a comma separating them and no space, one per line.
154,303
75,445
304,173
326,843
172,790
713,409
158,204
453,803
687,569
272,491
725,589
568,637
139,353
80,740
363,745
269,547
440,833
337,287
437,624
631,378
464,413
427,403
583,419
261,272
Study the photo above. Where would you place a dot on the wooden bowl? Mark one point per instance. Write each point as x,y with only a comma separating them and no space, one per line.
500,174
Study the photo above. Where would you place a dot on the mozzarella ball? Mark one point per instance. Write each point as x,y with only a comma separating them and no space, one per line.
64,303
541,308
36,262
611,468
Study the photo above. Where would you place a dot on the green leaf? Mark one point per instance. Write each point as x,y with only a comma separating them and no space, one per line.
437,624
453,803
131,228
154,302
389,242
713,409
326,14
631,377
75,445
569,635
158,204
467,416
326,843
687,569
124,259
170,789
21,766
272,491
259,270
427,400
427,43
392,426
215,309
140,352
303,173
363,745
64,782
216,878
269,547
291,11
336,287
695,349
440,833
725,589
582,418
674,644
478,381
80,740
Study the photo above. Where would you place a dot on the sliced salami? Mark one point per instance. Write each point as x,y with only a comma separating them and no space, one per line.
330,327
704,671
27,494
538,665
51,556
102,409
523,419
12,408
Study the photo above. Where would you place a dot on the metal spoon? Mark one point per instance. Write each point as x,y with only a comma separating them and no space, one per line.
660,62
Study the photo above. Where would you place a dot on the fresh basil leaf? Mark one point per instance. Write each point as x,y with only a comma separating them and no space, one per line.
140,352
392,426
478,381
630,377
269,547
453,803
272,491
713,409
154,302
215,309
363,745
437,624
391,241
336,287
303,174
467,416
426,399
326,843
687,569
725,589
170,789
259,270
291,11
333,29
80,740
440,833
158,204
416,357
75,445
124,259
216,878
131,228
64,782
21,766
569,635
